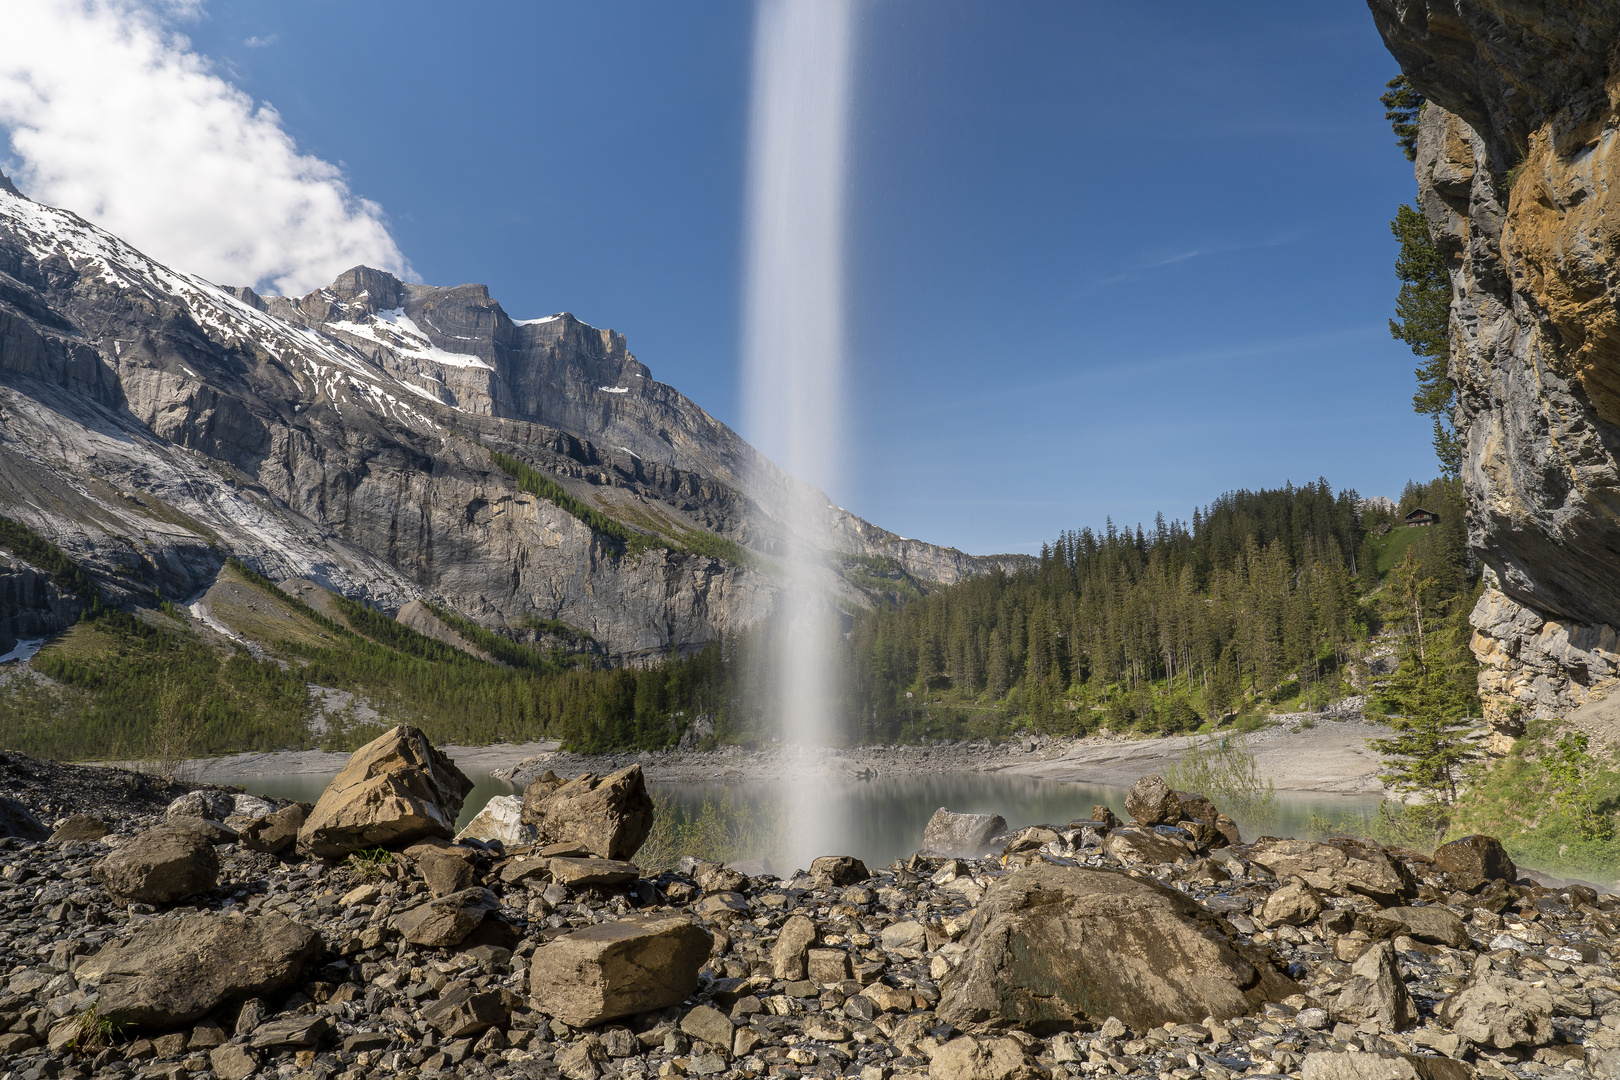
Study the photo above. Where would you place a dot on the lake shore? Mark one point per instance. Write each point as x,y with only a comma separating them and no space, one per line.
1330,756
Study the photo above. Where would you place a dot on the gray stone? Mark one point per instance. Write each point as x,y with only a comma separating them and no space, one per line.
78,829
1355,1065
1493,1010
792,947
446,921
15,820
275,832
1375,992
961,834
500,820
1432,924
1339,867
203,803
1151,802
1294,903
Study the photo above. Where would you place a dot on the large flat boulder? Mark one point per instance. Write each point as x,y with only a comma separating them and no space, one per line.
163,865
1053,946
173,971
609,816
395,790
618,968
966,835
1337,867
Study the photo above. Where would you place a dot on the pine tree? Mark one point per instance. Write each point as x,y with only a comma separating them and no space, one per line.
1423,321
1402,103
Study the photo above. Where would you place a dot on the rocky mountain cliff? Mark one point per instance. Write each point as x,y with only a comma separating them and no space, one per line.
152,423
1514,173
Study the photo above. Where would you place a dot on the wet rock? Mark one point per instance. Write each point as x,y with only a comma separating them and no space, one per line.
618,968
173,971
1494,1010
1151,802
394,791
789,954
969,1058
159,866
948,834
501,820
15,820
78,829
1294,904
446,921
1475,860
1338,867
1375,992
275,832
609,816
1053,945
838,871
447,868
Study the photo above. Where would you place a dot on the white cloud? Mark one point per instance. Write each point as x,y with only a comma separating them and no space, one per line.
114,116
257,42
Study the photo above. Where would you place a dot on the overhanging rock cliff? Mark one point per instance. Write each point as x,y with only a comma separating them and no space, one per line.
1517,175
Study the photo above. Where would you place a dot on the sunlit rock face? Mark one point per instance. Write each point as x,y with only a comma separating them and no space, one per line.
1517,172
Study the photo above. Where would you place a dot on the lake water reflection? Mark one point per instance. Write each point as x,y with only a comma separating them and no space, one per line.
886,815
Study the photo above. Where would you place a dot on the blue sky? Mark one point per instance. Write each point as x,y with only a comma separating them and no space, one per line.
1102,261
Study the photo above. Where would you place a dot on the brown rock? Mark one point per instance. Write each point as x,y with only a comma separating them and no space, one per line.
793,943
79,828
1433,924
618,968
163,865
838,871
447,868
826,965
1338,867
1375,993
1355,1065
594,873
1133,844
1151,802
1474,860
275,832
1295,904
446,921
395,790
609,815
970,1058
231,1062
460,1011
1106,815
712,1026
174,971
1496,1011
1055,945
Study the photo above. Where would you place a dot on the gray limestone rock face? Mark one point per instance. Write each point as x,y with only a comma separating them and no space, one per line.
1052,945
173,971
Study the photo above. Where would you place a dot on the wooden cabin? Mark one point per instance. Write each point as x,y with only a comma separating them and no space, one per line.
1421,516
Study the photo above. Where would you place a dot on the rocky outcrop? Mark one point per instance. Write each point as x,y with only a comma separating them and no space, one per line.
1514,175
396,789
156,423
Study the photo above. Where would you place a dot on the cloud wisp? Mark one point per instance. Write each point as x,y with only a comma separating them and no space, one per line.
113,115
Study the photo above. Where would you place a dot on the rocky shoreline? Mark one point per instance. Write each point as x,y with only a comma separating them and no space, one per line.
1165,947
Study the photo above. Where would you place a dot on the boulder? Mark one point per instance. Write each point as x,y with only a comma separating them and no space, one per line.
1494,1010
969,1058
712,1026
501,820
1338,867
1474,860
446,921
299,1029
968,835
1432,924
159,866
594,873
1132,844
395,790
204,803
173,971
461,1011
215,832
609,815
1105,815
78,829
275,832
1295,904
1375,993
1053,946
233,1062
788,955
1196,808
1355,1065
15,820
447,868
618,968
1151,802
838,871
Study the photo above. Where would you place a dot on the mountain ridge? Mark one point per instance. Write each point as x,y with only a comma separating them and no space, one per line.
152,423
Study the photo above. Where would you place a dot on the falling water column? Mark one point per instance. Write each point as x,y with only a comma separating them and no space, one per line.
793,342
